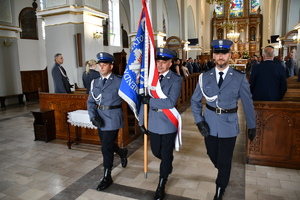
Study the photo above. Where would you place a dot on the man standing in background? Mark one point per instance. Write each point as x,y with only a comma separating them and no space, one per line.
290,64
59,75
268,79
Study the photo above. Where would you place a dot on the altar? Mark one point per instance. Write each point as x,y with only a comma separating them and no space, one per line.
241,67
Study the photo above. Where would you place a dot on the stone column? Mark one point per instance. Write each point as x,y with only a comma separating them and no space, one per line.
62,24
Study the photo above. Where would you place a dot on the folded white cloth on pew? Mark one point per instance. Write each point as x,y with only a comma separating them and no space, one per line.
80,118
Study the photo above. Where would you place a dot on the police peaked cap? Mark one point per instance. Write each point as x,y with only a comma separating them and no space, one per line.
221,46
164,54
105,57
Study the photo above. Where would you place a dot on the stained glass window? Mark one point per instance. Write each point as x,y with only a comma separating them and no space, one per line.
236,8
254,5
219,9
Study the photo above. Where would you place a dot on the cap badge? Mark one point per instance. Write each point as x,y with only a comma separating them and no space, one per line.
221,43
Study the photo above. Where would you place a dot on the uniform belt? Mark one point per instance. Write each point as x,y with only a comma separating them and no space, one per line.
103,107
157,110
221,110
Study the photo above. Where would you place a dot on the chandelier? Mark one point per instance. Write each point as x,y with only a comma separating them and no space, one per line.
233,35
217,1
229,25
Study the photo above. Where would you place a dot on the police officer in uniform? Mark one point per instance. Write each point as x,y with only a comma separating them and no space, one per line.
105,111
222,87
161,130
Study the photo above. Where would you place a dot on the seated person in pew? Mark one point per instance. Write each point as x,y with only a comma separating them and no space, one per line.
268,79
105,111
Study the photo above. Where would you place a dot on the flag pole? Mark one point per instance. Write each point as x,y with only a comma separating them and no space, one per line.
146,64
145,141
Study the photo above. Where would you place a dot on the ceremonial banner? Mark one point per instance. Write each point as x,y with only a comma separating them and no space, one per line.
135,74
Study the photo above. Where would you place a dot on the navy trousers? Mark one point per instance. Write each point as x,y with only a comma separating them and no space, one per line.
109,146
162,147
220,152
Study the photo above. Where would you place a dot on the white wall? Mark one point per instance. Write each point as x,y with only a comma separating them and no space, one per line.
31,52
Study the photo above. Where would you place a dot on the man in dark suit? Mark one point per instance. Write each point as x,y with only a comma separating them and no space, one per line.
105,111
59,75
268,79
290,64
196,66
222,87
189,65
162,131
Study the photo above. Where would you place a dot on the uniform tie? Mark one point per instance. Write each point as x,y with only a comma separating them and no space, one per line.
104,81
221,79
161,78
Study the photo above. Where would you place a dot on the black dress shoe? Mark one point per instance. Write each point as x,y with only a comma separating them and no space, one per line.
160,191
219,193
123,156
159,195
105,183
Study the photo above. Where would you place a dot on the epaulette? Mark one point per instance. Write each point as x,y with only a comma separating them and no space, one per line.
239,71
177,75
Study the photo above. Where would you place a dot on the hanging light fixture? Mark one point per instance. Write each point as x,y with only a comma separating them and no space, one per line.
232,35
216,1
229,25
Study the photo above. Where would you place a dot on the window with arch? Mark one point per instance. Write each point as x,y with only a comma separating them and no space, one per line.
28,23
114,22
236,8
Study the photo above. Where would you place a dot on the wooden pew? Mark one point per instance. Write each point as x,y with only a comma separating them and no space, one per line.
3,98
79,90
64,103
292,79
277,142
292,94
34,81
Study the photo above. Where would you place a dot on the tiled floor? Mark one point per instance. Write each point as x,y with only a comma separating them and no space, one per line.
35,170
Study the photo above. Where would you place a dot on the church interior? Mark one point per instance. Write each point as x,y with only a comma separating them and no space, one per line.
43,156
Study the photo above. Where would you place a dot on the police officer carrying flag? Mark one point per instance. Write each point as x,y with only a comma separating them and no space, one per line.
105,111
222,87
161,130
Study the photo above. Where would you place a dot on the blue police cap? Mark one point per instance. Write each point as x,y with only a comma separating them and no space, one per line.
221,46
105,57
164,54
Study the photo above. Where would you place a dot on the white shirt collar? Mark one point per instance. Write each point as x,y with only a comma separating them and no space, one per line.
164,74
224,71
106,77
